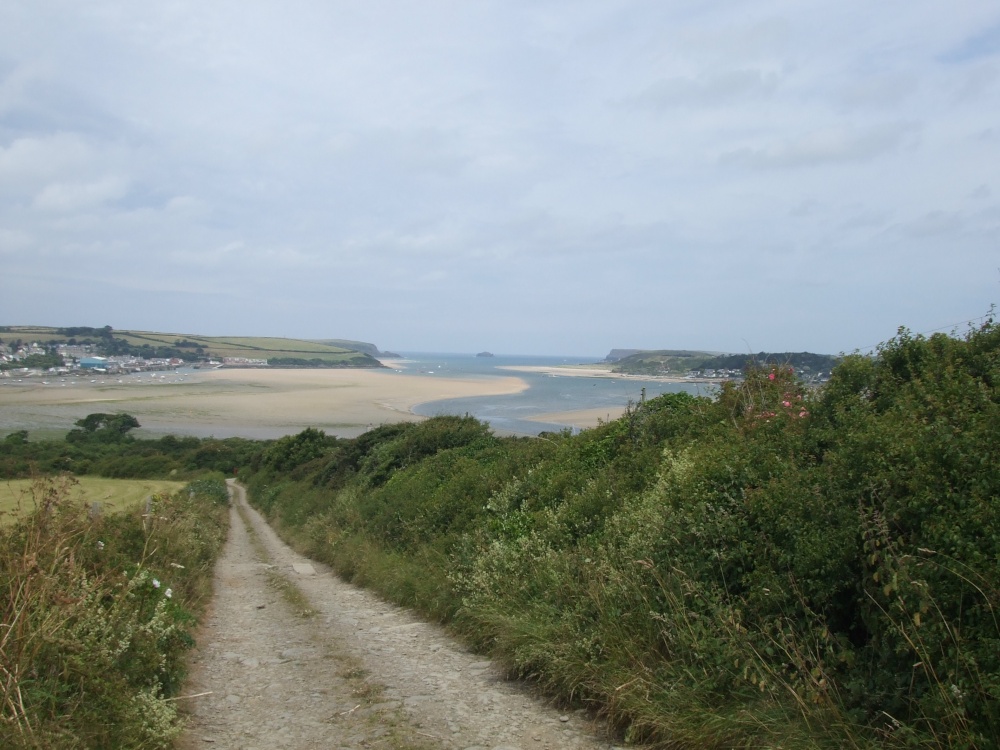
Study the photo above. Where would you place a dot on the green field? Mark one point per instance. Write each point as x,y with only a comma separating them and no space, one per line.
217,347
113,494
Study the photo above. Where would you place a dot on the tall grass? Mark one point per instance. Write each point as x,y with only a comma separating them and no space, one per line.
96,615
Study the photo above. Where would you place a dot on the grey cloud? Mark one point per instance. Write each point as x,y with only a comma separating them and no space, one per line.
707,90
933,223
805,208
975,83
864,219
829,146
878,91
65,197
984,43
958,226
981,192
14,241
29,162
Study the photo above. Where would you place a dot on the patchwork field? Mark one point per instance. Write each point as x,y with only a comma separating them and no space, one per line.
218,347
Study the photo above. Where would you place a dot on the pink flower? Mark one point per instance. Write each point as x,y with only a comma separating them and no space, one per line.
771,376
803,413
786,404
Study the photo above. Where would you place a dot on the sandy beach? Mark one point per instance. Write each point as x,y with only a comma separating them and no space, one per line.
237,403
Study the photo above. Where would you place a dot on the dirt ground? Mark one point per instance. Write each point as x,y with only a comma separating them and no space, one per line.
329,665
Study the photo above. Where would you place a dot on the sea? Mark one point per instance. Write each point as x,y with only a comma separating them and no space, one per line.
511,414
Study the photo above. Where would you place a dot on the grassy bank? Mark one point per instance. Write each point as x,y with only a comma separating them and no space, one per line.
97,614
778,567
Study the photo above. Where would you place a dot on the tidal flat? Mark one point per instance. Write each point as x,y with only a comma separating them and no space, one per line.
251,403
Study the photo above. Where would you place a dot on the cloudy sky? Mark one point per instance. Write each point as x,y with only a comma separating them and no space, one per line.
543,176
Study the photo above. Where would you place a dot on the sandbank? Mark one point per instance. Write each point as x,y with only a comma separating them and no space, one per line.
598,371
253,403
573,371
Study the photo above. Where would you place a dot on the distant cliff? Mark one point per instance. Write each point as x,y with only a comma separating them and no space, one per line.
358,346
617,354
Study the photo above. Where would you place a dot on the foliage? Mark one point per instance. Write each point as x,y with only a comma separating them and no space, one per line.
98,613
108,449
38,361
106,428
293,450
779,566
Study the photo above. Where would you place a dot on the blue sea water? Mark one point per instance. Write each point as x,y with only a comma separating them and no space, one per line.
545,393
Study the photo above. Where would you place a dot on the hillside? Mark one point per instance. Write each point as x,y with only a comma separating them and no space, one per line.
279,352
679,362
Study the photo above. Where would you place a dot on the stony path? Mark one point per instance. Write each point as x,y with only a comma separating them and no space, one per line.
357,673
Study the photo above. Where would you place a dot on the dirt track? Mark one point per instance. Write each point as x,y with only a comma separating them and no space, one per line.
358,673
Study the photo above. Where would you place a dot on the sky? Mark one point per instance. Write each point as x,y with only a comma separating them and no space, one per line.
543,177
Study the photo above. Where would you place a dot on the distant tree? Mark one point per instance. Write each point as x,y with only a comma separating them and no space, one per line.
104,428
41,361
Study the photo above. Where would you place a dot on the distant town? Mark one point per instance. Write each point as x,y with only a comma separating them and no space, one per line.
34,359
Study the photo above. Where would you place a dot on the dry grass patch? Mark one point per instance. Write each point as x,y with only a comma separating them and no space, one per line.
113,494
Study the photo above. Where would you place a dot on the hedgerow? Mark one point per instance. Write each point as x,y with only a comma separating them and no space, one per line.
778,566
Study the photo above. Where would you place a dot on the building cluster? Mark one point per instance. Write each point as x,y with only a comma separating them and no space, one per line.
79,359
715,374
243,362
802,374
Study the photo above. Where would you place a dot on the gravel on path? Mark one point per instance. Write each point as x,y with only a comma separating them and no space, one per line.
290,656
